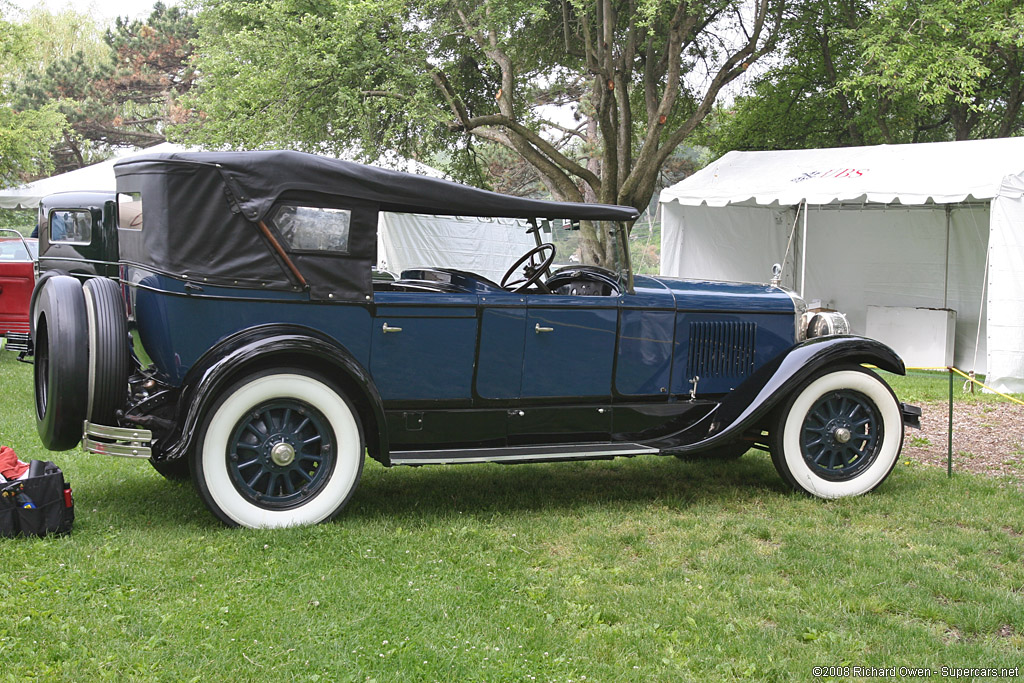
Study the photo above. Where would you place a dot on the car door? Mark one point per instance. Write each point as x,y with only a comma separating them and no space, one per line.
568,358
423,346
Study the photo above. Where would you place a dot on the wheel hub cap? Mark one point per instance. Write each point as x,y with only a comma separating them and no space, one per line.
283,454
841,435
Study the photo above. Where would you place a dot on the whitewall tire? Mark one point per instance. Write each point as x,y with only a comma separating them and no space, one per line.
839,435
279,448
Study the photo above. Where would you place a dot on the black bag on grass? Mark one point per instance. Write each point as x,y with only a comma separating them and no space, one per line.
38,505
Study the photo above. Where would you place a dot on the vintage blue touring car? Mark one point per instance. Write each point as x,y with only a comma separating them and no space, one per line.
265,359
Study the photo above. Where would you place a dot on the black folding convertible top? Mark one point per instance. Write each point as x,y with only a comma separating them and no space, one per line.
205,216
258,179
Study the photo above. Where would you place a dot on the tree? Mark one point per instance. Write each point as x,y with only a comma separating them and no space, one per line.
417,76
962,57
861,72
125,98
25,136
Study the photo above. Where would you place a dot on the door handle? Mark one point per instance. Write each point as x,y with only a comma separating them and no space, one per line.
538,329
387,328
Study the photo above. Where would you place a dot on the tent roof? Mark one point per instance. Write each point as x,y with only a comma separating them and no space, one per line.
939,172
98,176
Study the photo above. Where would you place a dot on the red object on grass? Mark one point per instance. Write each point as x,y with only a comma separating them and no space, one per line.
10,466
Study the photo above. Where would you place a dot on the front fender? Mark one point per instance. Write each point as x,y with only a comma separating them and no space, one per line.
268,346
745,407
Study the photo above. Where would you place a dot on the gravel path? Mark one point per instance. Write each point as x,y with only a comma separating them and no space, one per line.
988,438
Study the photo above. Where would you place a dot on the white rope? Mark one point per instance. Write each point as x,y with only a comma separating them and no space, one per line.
650,234
984,285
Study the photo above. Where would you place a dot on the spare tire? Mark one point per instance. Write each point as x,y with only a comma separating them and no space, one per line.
61,364
108,350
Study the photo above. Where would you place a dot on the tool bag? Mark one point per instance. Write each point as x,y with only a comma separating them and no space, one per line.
37,505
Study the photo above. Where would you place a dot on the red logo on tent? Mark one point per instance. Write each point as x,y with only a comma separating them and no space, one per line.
831,173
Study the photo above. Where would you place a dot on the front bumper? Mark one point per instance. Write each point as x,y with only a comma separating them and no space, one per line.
120,441
911,415
19,341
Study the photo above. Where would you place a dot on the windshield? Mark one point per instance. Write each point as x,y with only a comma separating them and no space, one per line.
588,243
14,250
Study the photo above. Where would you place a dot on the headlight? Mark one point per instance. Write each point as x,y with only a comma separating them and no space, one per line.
823,323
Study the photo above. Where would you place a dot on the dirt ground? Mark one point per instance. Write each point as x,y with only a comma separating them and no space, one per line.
988,438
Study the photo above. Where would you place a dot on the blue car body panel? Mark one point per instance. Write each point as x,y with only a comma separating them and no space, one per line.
487,345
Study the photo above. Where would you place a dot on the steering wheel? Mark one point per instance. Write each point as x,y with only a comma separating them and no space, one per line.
536,266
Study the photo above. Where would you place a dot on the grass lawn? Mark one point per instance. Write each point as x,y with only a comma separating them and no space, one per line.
647,569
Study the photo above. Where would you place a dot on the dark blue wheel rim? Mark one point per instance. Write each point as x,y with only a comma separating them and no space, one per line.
841,435
281,454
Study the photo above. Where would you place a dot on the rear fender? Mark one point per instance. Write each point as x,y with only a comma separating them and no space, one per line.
276,346
747,406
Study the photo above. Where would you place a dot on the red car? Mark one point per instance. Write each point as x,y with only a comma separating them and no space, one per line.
17,256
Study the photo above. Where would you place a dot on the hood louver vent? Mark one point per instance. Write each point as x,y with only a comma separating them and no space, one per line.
721,349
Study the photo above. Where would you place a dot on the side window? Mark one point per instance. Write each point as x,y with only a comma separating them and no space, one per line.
306,228
70,226
129,210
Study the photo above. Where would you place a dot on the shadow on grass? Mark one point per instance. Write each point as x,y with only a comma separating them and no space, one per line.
143,499
431,493
440,491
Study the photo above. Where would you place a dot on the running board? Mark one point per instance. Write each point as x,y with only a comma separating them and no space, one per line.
514,454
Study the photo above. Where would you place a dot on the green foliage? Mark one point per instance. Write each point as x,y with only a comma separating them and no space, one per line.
278,74
22,220
59,35
435,77
120,90
635,570
25,136
964,56
856,72
25,141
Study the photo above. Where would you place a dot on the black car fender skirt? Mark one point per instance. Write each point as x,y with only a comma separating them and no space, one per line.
270,346
761,392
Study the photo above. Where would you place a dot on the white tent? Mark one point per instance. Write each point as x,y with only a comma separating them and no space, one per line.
98,176
928,226
480,245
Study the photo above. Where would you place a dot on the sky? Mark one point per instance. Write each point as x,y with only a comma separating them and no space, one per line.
105,10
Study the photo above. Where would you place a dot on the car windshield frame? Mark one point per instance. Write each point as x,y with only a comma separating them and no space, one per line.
621,268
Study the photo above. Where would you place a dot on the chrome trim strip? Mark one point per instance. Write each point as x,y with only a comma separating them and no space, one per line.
518,454
120,433
122,450
18,341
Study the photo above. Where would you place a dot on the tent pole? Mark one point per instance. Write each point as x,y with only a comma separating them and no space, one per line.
949,451
803,258
945,275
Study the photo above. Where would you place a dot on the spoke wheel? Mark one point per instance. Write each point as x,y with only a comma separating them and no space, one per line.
279,448
281,454
839,434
